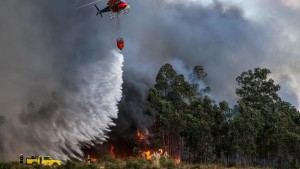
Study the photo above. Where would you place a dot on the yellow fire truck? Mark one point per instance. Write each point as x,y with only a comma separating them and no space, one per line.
43,160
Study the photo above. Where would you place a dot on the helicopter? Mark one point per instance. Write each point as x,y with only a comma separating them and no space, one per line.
114,6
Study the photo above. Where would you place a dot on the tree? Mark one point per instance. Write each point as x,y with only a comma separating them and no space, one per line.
256,89
271,121
245,129
165,78
220,130
172,99
196,77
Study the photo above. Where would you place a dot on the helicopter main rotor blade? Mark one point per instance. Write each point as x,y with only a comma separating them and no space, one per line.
88,4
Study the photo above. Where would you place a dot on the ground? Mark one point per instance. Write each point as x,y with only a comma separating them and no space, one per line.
132,163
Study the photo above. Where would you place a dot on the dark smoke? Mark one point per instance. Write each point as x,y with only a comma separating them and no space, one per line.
60,81
218,37
47,47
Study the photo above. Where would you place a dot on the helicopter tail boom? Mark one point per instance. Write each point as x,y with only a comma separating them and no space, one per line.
99,12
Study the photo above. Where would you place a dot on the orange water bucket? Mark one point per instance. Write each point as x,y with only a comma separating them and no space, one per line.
120,43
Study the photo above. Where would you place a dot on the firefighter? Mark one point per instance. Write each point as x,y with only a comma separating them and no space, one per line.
21,158
26,159
88,160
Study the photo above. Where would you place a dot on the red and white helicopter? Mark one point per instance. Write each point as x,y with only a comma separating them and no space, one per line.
116,7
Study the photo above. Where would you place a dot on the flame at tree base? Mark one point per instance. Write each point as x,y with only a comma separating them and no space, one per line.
112,153
147,155
177,160
140,149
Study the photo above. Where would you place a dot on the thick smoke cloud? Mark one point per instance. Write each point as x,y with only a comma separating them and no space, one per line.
225,38
219,39
218,36
60,84
46,45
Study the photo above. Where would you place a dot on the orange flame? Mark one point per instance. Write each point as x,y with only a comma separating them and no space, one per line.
112,154
147,154
140,136
93,160
177,160
160,151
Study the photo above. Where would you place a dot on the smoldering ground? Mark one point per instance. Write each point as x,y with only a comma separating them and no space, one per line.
47,48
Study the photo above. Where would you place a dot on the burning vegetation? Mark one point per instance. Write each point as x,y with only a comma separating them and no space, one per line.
190,126
112,153
140,136
142,148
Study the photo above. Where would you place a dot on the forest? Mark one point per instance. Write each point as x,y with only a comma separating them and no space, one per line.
260,130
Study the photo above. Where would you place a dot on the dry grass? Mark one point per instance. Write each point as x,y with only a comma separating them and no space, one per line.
211,166
122,164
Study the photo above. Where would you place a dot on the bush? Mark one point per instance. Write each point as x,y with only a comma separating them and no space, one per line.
108,158
91,166
13,166
68,165
135,163
42,167
195,167
73,165
110,165
167,163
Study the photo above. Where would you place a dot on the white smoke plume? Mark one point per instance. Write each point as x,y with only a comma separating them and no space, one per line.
58,124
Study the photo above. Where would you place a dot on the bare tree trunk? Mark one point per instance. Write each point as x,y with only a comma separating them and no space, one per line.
206,152
189,155
168,143
269,159
171,146
180,148
164,141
